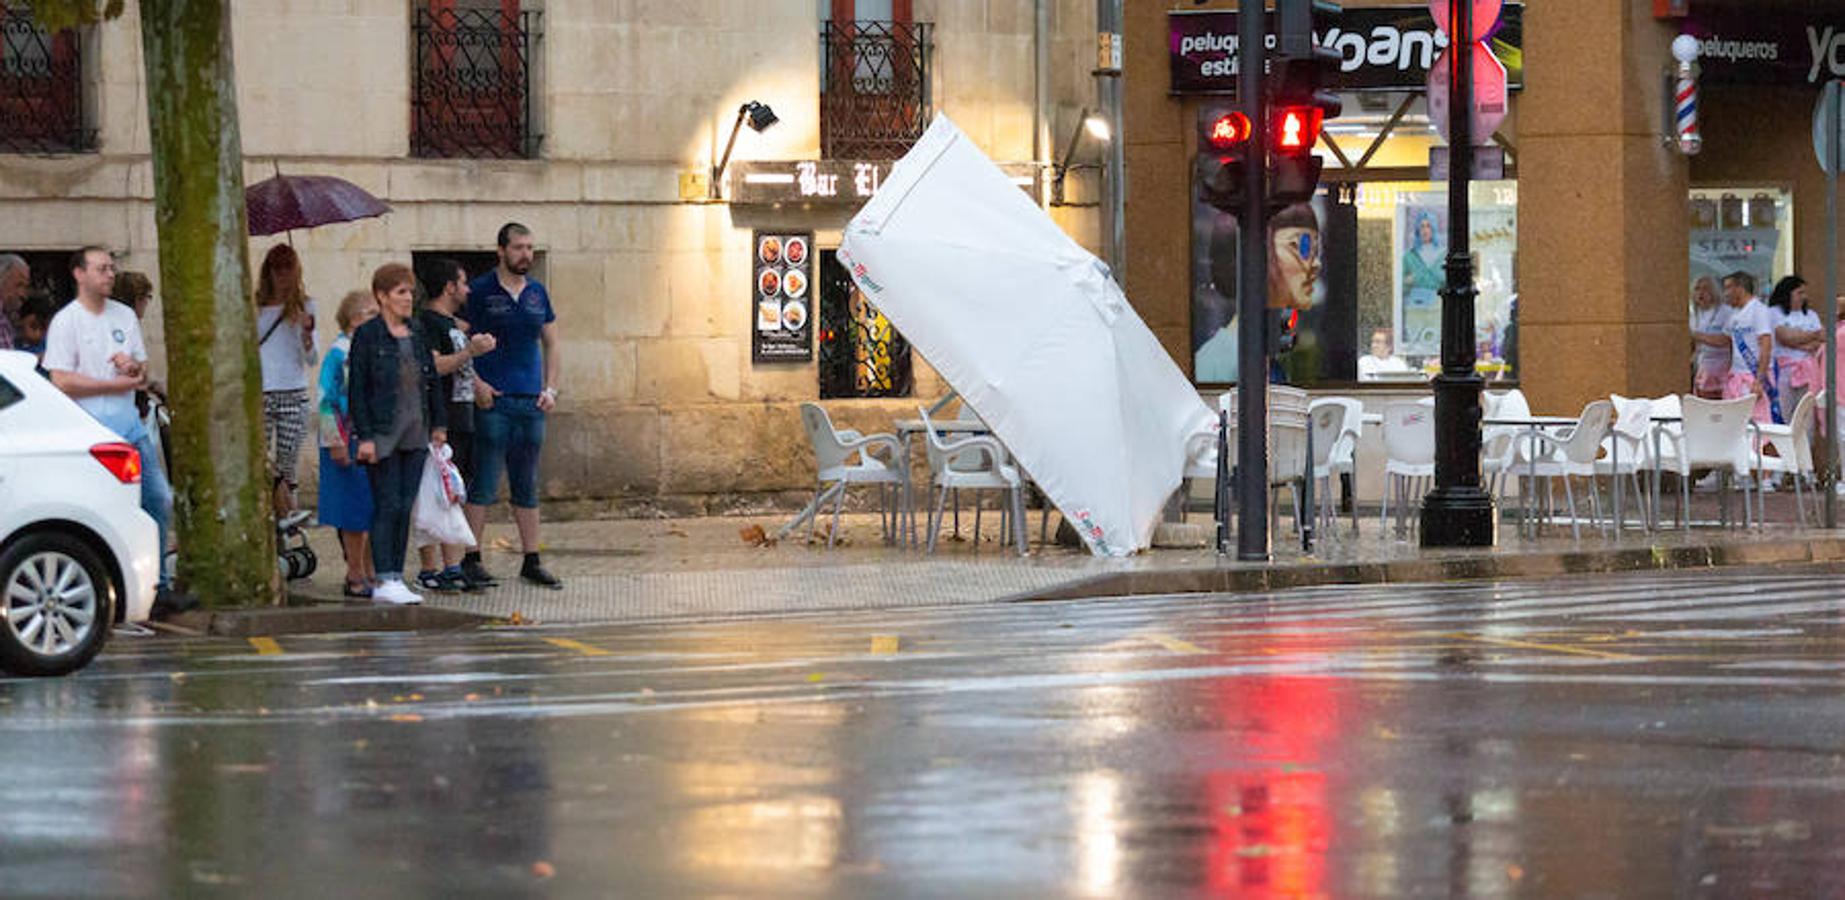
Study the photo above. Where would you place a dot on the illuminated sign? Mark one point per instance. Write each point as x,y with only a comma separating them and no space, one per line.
830,182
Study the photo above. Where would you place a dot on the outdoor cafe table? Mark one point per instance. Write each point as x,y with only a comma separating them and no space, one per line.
1536,424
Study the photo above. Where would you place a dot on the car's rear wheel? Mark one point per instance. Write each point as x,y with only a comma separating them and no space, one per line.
55,605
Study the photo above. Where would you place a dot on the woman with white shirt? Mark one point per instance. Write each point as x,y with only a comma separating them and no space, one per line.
1798,339
287,348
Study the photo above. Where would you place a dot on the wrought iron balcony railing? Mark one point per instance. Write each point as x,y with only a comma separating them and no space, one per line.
875,99
41,87
473,84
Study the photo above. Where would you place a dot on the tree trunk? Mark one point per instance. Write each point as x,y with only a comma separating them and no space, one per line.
225,527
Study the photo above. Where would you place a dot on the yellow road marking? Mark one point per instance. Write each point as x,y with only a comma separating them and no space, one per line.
1549,648
1174,644
885,644
578,646
265,646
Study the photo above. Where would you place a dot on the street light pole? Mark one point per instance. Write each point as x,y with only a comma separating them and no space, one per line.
1458,513
1109,51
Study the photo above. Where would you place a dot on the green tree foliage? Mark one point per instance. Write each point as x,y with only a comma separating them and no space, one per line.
56,14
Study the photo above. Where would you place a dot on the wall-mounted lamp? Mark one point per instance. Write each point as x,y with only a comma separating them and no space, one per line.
1089,123
760,117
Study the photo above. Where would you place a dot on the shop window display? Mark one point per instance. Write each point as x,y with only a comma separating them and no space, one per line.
1748,228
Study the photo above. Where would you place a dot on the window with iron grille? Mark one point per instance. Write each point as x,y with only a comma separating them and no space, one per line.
472,97
41,87
861,353
874,87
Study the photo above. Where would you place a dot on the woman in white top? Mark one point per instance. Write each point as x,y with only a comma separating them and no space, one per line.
1798,339
1710,322
286,345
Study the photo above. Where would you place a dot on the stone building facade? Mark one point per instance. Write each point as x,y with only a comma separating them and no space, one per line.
629,105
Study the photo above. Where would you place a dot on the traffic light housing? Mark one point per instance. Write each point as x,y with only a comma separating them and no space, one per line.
1223,154
1302,101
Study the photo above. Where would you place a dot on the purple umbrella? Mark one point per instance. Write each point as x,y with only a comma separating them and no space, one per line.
288,202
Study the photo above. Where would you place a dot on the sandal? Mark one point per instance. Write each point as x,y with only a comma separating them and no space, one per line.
355,591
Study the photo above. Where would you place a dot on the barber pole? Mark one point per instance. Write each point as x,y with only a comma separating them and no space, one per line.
1685,95
1689,140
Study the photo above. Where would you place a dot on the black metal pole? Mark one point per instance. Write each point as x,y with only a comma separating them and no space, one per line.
1458,513
1252,539
1829,418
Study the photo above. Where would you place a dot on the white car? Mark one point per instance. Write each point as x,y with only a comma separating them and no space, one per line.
77,554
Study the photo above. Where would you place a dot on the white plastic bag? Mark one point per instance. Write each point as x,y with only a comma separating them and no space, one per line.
437,517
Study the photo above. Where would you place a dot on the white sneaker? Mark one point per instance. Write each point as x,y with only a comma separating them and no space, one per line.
395,591
1766,485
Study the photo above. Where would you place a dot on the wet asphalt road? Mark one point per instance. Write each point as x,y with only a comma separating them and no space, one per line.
1677,735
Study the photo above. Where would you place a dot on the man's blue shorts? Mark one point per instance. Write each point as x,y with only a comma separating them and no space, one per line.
507,437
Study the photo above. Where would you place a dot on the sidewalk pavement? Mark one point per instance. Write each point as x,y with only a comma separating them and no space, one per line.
661,569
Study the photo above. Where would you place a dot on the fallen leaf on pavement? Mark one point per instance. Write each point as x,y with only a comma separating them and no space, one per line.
754,536
471,698
542,869
1514,871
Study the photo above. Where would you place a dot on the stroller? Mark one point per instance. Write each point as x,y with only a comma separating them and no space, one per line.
294,558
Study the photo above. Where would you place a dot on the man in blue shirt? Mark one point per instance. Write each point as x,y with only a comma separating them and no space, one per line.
515,385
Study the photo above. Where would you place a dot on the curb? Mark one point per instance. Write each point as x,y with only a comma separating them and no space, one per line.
1224,579
324,619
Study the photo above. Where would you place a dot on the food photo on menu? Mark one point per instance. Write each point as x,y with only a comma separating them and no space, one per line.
797,251
769,315
794,284
769,283
794,315
770,251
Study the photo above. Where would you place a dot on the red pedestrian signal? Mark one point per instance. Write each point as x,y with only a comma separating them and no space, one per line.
1229,132
1297,129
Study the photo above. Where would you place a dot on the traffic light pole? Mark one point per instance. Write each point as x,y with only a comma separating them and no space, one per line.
1252,539
1458,513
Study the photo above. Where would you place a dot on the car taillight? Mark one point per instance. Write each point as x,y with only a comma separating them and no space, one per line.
122,460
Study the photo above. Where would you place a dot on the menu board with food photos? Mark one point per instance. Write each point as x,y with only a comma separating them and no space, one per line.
781,286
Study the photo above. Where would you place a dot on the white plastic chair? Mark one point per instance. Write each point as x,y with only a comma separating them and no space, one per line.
1409,457
978,463
1717,436
843,459
1497,450
1660,452
1624,450
1793,445
1333,446
1342,458
1568,455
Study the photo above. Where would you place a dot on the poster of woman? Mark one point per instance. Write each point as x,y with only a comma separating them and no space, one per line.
1421,230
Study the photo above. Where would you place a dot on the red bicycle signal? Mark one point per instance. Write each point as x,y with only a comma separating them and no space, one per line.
1229,131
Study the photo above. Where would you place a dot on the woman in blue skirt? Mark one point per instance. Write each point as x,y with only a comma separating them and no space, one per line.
345,490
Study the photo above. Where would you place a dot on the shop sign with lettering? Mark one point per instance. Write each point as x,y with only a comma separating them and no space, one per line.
1382,48
823,182
1768,47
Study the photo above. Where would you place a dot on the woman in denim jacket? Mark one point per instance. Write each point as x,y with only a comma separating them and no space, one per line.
398,412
